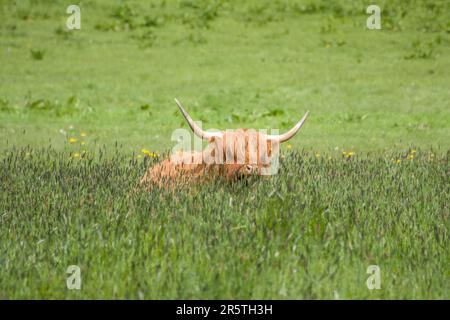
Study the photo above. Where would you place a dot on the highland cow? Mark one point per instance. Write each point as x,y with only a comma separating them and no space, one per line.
230,154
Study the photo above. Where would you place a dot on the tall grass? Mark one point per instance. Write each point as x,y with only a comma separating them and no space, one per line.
309,232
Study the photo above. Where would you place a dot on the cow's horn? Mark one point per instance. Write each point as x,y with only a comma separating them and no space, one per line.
197,130
288,135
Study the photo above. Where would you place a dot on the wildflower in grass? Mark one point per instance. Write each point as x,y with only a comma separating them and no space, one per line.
82,143
348,155
289,147
411,155
75,155
73,140
83,134
149,153
398,161
317,155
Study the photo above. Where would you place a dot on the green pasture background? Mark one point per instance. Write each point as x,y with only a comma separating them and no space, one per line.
254,64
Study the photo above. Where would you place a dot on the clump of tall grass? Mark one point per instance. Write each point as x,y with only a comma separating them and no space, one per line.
306,232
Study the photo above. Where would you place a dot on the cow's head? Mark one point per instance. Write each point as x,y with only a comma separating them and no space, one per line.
241,151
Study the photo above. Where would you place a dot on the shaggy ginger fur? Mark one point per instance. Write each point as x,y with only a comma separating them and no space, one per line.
236,154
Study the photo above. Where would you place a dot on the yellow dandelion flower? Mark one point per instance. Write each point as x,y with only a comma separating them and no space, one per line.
410,156
83,134
289,147
73,140
398,161
348,154
76,155
317,155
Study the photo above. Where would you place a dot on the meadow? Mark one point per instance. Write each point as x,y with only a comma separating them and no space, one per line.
83,113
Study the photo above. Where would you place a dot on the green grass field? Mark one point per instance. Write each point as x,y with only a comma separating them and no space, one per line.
365,182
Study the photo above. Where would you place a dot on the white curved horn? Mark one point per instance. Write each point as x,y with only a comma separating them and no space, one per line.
288,135
197,130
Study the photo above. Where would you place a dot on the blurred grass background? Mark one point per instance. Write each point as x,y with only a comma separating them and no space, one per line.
258,64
